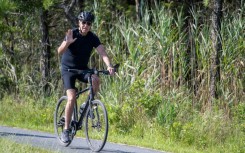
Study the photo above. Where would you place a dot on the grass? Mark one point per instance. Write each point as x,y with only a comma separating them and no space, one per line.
26,115
8,146
202,135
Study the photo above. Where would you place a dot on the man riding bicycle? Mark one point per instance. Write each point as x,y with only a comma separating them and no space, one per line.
76,50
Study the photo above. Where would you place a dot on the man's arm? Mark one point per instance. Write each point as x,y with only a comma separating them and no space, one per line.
101,50
65,44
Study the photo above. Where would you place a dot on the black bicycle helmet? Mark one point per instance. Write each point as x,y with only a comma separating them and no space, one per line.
86,16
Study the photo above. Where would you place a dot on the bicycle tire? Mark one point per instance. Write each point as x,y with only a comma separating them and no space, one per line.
59,120
96,126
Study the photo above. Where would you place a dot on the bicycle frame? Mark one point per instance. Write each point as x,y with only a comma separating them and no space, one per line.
89,118
90,98
78,124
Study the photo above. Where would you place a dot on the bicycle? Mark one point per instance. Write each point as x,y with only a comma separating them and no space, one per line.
94,112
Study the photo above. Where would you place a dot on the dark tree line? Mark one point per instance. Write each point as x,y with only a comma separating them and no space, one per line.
69,8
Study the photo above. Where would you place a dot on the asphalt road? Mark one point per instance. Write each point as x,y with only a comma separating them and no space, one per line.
49,141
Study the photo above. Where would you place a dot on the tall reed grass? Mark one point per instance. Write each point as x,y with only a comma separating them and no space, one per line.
153,87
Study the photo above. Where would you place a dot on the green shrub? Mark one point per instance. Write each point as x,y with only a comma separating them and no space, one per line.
167,113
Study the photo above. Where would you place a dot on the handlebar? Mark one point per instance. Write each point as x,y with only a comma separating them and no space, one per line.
94,71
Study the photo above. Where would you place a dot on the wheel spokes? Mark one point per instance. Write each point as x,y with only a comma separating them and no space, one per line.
96,127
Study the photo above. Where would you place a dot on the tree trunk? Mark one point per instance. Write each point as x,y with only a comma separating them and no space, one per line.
45,53
191,60
81,5
217,48
68,10
138,10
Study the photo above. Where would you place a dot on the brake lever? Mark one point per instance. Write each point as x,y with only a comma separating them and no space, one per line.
116,67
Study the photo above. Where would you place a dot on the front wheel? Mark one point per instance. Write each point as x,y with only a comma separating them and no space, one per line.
59,120
96,125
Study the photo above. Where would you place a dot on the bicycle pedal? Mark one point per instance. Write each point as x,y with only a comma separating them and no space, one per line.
61,121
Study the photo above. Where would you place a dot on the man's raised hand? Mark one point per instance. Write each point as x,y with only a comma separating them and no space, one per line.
69,37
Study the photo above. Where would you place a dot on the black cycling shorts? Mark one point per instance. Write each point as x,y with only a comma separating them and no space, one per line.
69,79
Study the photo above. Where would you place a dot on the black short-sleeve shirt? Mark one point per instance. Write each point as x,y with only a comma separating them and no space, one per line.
78,53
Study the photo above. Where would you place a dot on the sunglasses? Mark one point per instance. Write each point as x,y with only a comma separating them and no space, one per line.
86,22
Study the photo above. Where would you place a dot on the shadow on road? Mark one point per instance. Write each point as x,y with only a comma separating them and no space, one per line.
103,151
24,135
47,141
7,134
114,151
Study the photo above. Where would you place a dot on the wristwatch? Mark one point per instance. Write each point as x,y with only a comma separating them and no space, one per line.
110,66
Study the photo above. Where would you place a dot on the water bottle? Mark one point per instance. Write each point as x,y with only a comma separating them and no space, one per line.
82,107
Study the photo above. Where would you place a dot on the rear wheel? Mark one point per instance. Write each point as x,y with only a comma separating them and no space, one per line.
96,125
59,121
